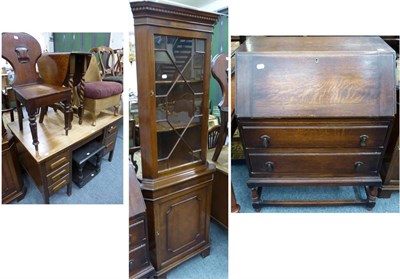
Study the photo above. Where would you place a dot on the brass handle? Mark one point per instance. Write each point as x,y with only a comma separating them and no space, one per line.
363,140
265,140
270,166
358,165
151,93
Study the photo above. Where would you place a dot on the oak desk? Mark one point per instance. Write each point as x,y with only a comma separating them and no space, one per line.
51,166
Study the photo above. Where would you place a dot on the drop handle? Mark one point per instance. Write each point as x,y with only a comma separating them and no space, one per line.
363,140
131,262
265,140
270,166
358,166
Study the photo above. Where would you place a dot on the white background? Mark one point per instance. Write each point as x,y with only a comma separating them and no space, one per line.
90,241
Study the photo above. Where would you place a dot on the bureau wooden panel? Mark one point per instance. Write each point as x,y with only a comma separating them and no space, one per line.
314,111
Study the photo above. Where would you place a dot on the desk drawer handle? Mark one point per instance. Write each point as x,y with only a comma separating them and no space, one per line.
131,262
58,162
270,166
363,140
358,166
58,175
265,140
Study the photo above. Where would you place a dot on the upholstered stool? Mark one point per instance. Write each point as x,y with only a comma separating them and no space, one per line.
99,95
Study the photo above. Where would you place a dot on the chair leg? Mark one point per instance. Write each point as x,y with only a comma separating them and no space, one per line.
33,127
67,120
19,112
43,112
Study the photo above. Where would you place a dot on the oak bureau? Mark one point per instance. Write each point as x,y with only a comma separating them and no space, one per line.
315,111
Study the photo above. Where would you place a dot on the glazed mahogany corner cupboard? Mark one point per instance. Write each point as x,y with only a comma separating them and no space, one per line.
315,111
173,50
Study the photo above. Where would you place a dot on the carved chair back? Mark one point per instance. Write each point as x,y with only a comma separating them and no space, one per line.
106,60
22,51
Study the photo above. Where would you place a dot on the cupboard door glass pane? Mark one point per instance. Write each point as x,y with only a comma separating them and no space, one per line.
179,72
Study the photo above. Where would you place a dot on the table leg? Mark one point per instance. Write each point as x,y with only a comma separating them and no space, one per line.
32,126
46,195
69,189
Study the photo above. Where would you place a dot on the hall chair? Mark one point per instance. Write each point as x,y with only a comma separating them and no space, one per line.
22,51
95,94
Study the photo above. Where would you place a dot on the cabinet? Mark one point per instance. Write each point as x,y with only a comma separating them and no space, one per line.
139,258
12,185
173,49
315,111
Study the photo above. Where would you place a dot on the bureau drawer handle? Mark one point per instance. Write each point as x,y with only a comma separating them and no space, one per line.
131,262
363,140
270,166
265,140
358,165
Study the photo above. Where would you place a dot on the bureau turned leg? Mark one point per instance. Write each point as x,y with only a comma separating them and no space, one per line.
256,198
372,192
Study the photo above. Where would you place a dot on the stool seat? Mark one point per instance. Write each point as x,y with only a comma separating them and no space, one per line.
101,90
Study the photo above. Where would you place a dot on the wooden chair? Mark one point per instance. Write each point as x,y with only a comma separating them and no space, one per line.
96,95
213,136
219,72
109,62
22,51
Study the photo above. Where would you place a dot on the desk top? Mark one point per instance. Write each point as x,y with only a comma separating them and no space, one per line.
51,133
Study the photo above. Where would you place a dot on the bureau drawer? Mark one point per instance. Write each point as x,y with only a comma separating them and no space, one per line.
138,258
60,183
314,163
57,174
137,232
57,161
314,136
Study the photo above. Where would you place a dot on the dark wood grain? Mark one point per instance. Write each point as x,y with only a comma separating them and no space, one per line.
177,179
314,111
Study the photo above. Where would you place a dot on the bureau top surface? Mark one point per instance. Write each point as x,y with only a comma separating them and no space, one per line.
372,45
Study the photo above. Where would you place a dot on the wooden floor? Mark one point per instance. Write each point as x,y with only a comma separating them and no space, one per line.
51,132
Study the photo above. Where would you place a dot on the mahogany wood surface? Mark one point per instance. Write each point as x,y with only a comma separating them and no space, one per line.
12,185
314,111
139,257
23,51
176,184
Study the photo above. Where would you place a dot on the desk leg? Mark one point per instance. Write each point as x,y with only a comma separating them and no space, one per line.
46,195
69,189
110,157
32,125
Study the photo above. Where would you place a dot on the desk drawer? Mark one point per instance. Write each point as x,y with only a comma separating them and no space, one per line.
314,163
109,143
138,258
111,130
137,233
58,174
57,161
60,183
361,136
